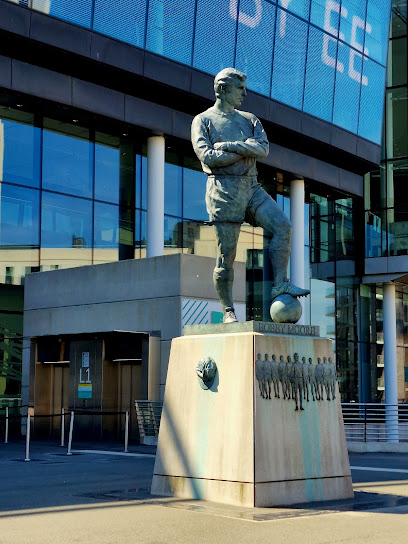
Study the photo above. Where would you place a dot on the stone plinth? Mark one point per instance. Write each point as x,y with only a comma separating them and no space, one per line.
233,444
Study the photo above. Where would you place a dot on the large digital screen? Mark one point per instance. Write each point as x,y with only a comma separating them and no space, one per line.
324,57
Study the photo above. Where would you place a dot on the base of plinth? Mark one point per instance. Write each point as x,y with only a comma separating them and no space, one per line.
261,495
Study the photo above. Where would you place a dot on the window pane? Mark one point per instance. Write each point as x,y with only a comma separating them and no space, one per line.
107,159
172,189
300,7
66,230
141,182
173,235
319,84
20,149
325,15
106,233
19,216
397,122
399,18
372,101
214,36
289,62
352,22
397,62
67,159
376,233
124,20
347,90
74,11
194,185
170,27
255,47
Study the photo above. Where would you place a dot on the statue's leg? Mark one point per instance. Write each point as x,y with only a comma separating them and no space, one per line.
226,235
265,213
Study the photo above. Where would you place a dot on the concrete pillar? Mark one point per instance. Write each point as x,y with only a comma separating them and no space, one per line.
390,362
297,217
155,196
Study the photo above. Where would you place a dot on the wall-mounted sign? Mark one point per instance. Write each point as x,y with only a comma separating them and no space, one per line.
84,390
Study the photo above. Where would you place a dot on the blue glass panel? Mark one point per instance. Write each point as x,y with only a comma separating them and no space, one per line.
21,153
352,22
194,184
300,7
124,20
347,89
377,32
255,47
20,209
173,233
172,189
214,36
106,227
107,173
66,222
372,101
170,27
67,164
326,15
74,11
320,71
289,62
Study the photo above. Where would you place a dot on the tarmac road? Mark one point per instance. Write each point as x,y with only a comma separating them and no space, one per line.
103,498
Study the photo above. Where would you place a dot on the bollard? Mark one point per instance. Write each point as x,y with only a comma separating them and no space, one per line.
27,457
7,423
126,431
71,428
62,426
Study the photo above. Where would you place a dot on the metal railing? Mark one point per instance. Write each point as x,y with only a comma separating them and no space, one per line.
375,422
148,419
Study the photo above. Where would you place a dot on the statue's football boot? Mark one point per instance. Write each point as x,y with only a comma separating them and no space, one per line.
288,288
229,317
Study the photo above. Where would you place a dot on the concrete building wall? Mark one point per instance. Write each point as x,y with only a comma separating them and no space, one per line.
135,295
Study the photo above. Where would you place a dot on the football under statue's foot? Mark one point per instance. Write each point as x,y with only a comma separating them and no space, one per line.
288,288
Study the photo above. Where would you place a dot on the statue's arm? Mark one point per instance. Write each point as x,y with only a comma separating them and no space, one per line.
256,147
205,151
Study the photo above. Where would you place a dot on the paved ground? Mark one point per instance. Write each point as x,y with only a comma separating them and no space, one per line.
103,498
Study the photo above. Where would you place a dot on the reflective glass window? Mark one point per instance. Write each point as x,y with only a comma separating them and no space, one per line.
300,7
141,182
66,222
397,62
377,30
255,47
170,26
289,61
347,88
124,20
173,234
399,18
397,122
376,233
19,219
372,101
74,11
173,189
326,15
19,149
215,35
107,160
106,227
194,185
397,231
67,159
320,72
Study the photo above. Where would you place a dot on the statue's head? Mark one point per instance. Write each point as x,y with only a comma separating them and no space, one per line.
296,357
310,360
330,361
281,358
230,86
319,360
258,356
266,356
303,360
273,357
324,360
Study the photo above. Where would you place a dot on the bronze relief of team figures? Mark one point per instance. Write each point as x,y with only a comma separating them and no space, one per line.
296,378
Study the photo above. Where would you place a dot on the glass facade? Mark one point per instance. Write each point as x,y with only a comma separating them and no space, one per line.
386,220
324,57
